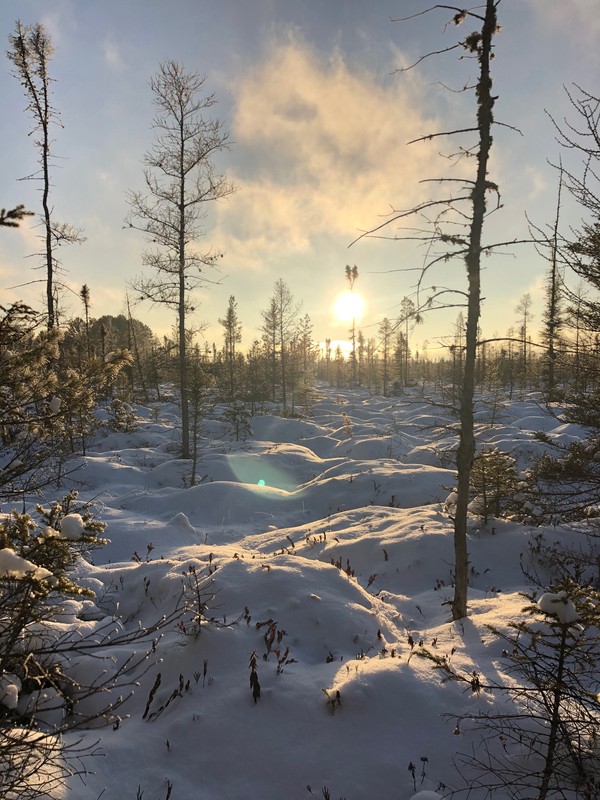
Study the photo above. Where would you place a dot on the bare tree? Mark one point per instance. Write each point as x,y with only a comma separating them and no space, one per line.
466,209
31,51
180,180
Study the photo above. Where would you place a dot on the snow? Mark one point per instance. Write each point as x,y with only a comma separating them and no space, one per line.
10,686
338,545
426,796
13,566
72,526
558,605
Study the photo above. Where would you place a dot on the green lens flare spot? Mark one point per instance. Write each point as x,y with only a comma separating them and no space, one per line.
261,482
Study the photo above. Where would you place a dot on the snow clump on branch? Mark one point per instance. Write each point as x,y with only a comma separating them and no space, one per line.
559,605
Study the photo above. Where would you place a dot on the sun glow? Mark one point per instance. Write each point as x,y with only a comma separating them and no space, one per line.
348,306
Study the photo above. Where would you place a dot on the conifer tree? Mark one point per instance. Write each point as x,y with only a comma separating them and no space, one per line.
351,276
232,333
12,217
180,182
279,322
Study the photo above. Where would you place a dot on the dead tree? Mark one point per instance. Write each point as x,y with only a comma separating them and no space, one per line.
466,209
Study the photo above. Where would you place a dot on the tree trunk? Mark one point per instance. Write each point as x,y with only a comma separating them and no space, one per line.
466,448
553,736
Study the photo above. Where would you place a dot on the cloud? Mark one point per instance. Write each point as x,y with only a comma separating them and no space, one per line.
112,55
579,21
538,182
60,22
320,150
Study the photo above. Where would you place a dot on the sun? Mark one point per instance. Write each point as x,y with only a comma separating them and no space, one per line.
348,306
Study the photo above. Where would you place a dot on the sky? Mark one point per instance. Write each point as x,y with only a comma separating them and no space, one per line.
319,117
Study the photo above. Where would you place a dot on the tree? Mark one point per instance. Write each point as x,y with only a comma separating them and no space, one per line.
84,294
496,485
481,44
552,317
44,692
269,339
29,412
466,209
351,276
31,51
408,314
257,384
385,336
12,217
180,180
543,743
306,356
279,321
232,331
579,249
524,314
287,316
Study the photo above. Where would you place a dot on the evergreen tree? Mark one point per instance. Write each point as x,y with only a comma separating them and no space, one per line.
552,318
524,314
279,322
232,332
307,354
351,276
12,217
385,337
269,340
408,316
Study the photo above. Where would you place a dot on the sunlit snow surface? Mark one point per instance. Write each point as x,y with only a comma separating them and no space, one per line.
274,518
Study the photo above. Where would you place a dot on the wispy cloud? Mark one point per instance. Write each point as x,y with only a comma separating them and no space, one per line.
112,55
320,150
60,21
577,21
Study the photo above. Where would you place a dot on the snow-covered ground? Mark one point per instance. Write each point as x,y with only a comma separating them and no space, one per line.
325,548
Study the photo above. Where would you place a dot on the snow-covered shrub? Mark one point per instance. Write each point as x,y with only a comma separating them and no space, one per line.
121,416
567,485
79,392
495,485
29,409
46,407
53,542
543,741
34,583
64,664
239,419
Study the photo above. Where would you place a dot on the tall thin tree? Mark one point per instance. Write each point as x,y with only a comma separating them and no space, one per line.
180,182
31,51
351,276
84,294
232,334
469,246
481,45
